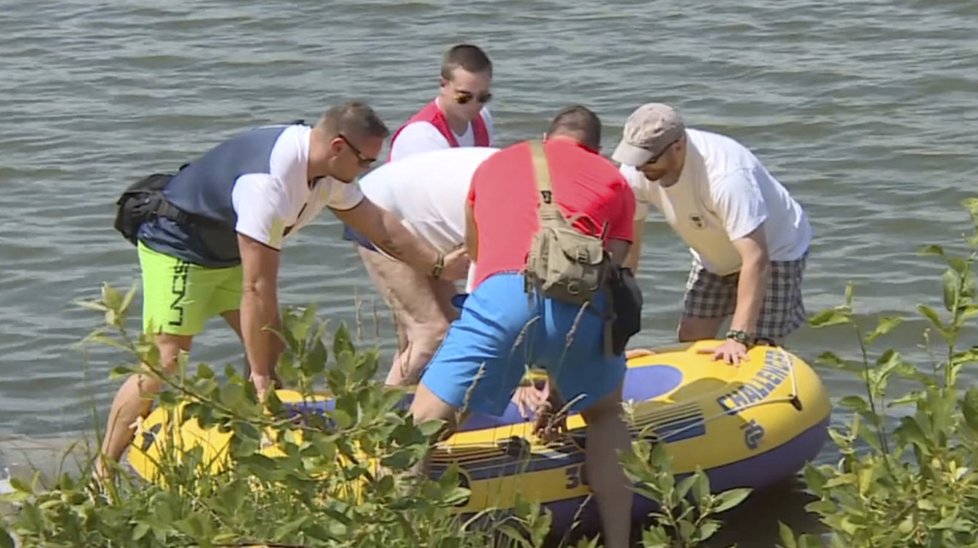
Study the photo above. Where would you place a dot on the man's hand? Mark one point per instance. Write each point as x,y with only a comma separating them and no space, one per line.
456,265
529,398
730,351
638,353
546,406
264,383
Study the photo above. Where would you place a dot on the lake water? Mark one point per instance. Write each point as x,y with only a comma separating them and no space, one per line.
865,110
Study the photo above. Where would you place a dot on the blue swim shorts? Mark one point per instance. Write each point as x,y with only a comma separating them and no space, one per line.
503,331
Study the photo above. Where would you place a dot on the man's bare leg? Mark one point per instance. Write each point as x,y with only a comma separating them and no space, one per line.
133,400
426,406
607,436
422,311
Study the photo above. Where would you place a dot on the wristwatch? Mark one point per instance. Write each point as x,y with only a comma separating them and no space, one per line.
439,266
742,337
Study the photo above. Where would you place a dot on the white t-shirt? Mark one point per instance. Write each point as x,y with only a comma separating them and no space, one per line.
427,192
419,137
723,194
271,205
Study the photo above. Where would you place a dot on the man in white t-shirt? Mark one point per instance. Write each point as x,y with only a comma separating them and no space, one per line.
458,116
213,247
748,237
427,192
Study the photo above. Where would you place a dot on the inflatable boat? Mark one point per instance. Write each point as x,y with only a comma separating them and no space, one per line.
748,426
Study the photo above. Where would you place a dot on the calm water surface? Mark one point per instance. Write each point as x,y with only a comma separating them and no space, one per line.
865,110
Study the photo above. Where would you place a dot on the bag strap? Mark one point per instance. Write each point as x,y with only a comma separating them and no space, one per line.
548,209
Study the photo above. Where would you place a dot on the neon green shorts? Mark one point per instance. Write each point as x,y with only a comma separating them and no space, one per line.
179,297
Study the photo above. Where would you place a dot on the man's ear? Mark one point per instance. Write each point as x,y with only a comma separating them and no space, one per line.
544,138
335,146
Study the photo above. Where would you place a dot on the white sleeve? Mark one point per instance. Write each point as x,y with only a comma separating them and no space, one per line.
490,129
261,204
341,196
739,203
640,187
417,137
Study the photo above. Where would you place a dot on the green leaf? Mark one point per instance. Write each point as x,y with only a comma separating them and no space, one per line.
92,305
342,341
926,505
656,536
787,535
950,281
848,295
969,312
959,265
728,499
111,297
6,541
286,530
911,431
935,320
822,508
701,487
965,356
708,529
814,478
884,326
931,249
887,363
140,530
969,407
127,299
870,436
854,403
829,317
685,485
21,486
342,418
866,478
514,535
810,541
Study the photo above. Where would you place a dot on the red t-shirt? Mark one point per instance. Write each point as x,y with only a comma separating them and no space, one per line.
505,198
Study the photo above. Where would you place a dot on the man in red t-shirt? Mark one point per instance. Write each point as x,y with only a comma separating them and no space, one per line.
502,329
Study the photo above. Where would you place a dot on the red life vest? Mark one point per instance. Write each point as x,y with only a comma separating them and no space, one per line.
434,116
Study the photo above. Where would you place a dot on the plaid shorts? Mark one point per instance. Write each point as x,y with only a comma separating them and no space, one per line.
709,295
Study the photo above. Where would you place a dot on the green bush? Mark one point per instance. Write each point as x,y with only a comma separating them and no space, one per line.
908,468
686,516
325,489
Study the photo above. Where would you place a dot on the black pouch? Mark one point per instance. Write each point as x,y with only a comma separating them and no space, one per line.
625,303
142,201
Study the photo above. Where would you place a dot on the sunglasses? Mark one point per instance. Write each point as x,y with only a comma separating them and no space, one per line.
463,97
661,153
362,159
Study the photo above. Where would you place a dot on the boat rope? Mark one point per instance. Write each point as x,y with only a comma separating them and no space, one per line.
791,398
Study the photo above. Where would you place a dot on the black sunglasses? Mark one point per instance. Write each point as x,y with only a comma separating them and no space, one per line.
463,97
665,149
362,159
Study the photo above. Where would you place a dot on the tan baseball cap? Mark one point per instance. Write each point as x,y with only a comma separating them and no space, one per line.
648,131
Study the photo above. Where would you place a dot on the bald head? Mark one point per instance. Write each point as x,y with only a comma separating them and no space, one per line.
579,123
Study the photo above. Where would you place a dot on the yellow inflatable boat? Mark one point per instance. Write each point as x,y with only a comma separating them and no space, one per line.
747,426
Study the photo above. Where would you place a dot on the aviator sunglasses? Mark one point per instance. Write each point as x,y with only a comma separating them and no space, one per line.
463,97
